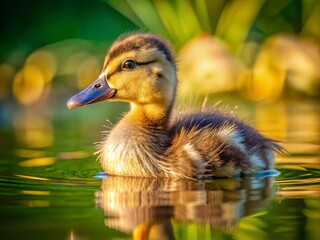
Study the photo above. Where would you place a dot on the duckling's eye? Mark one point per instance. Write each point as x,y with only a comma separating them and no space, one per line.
129,64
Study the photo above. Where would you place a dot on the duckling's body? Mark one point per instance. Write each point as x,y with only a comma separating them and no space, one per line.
140,69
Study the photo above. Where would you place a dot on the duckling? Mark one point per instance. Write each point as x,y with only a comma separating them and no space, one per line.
140,68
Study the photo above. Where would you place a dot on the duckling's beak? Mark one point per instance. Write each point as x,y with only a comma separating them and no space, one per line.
98,91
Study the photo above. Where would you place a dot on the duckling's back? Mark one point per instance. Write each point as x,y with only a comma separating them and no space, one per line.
220,145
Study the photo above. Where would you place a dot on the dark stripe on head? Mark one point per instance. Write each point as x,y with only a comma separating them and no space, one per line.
139,40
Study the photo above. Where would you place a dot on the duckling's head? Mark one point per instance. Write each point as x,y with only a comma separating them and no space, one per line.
139,68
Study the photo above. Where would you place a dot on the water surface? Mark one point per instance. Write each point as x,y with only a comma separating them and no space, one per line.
51,186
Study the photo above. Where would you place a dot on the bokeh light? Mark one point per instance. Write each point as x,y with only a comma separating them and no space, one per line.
45,62
88,71
33,131
206,66
30,82
38,162
6,74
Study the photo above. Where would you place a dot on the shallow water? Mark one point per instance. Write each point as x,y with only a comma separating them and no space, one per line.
51,186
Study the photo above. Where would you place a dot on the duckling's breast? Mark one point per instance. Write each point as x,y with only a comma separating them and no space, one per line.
132,150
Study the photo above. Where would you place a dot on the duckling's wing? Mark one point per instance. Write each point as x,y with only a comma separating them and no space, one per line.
220,145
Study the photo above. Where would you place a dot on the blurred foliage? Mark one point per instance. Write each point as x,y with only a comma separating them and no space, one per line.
29,25
47,44
234,22
260,49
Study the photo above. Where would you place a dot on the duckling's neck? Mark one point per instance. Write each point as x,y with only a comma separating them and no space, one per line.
156,115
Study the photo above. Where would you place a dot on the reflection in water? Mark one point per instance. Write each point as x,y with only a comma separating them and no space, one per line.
145,207
300,188
31,177
36,162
